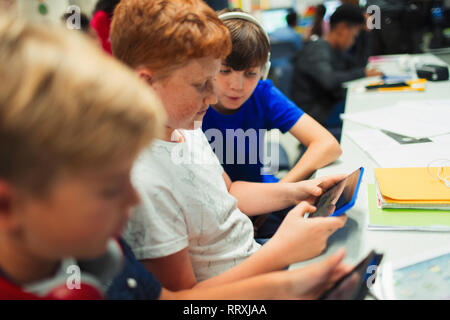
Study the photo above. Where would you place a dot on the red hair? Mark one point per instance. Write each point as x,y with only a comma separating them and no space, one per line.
162,34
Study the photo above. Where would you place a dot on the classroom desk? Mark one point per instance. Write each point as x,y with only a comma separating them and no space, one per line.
355,236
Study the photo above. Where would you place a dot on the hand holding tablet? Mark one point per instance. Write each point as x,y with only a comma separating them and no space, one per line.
340,197
356,284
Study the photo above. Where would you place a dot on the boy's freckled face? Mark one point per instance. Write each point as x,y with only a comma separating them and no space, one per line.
81,213
236,87
188,91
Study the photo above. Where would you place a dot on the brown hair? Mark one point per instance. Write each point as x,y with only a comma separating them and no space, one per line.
250,47
64,106
318,20
164,34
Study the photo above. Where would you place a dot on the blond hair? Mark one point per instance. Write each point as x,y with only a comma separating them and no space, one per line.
166,34
66,105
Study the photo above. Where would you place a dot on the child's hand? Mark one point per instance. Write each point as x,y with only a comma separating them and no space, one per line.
310,190
373,72
299,239
312,281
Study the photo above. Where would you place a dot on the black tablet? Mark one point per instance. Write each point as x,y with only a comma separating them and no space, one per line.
340,197
356,284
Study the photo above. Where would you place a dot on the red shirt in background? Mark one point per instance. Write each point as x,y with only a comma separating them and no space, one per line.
101,23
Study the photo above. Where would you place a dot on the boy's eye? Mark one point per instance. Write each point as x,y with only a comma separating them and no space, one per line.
225,70
252,73
203,86
200,86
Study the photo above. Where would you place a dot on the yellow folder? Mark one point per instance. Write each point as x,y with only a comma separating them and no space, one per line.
411,85
413,185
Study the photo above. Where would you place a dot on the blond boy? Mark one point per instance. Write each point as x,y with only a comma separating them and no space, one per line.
69,136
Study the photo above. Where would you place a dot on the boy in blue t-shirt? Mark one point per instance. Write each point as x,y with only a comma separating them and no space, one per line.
248,106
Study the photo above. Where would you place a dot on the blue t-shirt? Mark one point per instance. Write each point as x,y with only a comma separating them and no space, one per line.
241,152
287,34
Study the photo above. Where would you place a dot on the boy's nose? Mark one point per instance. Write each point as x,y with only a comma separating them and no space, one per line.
211,97
236,81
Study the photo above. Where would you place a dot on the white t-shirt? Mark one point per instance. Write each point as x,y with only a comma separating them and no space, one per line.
185,203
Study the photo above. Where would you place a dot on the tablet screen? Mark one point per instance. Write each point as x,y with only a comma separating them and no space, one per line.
337,196
355,285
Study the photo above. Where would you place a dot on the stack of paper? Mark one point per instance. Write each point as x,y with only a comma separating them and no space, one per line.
405,219
418,188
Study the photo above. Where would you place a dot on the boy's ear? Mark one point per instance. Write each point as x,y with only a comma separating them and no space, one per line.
146,75
8,214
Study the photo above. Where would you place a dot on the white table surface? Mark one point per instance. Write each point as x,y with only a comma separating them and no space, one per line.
355,236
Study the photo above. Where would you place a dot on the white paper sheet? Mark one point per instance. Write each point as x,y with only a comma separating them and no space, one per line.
418,119
412,155
388,153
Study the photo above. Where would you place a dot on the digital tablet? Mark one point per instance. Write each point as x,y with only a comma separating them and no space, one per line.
356,284
340,197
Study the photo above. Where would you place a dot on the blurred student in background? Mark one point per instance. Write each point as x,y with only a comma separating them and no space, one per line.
101,21
320,27
322,66
361,49
288,33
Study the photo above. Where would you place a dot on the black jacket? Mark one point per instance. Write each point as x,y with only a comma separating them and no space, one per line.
319,72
